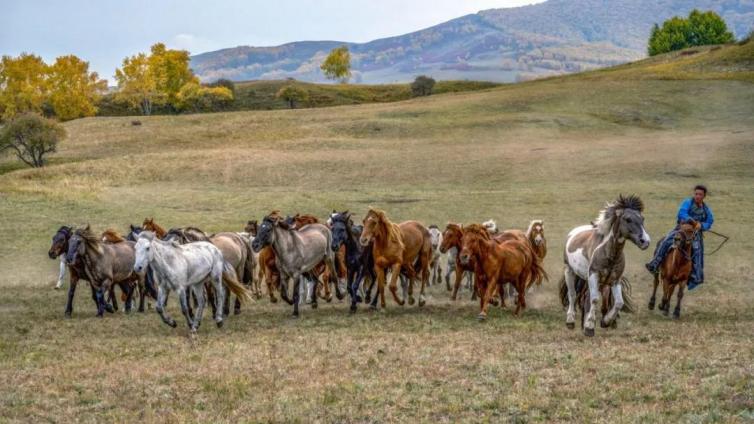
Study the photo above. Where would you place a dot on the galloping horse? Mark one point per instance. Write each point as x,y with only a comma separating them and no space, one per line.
358,258
184,267
676,268
451,243
398,247
104,265
594,253
268,271
512,261
297,222
296,252
435,236
536,236
59,248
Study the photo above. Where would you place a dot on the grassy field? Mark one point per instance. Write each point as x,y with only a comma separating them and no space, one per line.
555,149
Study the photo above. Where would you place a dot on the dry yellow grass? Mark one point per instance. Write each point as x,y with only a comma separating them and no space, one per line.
554,149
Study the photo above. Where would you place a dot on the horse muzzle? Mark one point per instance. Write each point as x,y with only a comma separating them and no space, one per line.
53,254
364,241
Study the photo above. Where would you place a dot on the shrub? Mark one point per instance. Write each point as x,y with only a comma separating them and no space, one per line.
422,86
31,137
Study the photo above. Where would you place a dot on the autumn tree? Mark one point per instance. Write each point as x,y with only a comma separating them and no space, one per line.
23,85
73,90
293,94
193,97
31,137
170,70
337,66
137,85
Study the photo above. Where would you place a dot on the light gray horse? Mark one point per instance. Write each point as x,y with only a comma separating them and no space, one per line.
186,267
594,253
435,236
297,252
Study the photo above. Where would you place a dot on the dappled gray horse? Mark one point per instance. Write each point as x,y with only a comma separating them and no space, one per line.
594,253
186,267
296,251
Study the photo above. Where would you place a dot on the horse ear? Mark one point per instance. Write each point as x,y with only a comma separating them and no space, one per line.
619,212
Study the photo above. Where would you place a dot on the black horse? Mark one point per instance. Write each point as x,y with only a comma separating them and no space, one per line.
359,260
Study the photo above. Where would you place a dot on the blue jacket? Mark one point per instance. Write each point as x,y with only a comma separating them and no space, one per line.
688,210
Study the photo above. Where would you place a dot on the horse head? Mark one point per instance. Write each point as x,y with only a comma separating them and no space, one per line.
133,232
624,218
686,234
435,237
251,227
266,233
78,242
472,242
143,250
340,224
536,232
451,237
59,242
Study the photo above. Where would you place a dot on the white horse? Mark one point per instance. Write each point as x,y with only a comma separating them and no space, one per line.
187,267
435,237
594,253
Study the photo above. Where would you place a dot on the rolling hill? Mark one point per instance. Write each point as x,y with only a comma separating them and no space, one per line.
503,45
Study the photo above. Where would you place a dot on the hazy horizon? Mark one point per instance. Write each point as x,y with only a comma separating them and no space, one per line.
104,33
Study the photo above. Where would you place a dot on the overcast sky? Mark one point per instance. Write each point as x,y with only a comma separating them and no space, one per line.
104,32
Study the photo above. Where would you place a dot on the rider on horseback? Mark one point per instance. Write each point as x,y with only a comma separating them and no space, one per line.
692,209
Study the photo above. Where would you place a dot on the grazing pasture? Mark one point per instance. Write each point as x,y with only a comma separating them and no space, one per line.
554,150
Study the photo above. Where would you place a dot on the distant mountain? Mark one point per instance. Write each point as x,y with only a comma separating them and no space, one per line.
504,45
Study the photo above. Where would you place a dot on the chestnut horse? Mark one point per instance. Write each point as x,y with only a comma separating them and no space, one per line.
397,247
451,238
676,269
150,225
512,261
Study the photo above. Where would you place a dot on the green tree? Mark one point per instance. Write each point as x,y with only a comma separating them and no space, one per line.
224,82
699,29
337,66
422,86
293,94
31,137
73,90
23,85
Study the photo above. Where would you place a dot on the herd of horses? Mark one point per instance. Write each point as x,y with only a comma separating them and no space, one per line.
338,255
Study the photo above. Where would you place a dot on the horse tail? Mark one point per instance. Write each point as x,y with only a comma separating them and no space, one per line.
537,272
563,291
248,268
231,281
628,301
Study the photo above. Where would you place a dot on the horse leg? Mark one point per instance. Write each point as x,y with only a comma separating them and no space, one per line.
183,298
296,294
407,287
447,276
380,288
112,300
396,273
666,311
131,288
459,276
71,292
198,292
315,283
521,289
677,311
471,284
594,298
226,305
667,292
617,291
217,283
656,282
425,281
162,297
570,278
488,293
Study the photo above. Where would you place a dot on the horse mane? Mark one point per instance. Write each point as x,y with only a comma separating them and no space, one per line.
90,238
112,236
393,232
531,226
157,227
606,218
477,230
433,226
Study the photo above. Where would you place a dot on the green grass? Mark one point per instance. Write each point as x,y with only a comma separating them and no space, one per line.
555,149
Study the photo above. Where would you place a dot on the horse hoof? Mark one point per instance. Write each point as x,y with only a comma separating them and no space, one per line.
676,315
294,316
422,302
603,324
570,325
314,306
109,309
589,332
352,309
651,306
481,317
665,312
173,324
274,300
236,311
411,301
220,324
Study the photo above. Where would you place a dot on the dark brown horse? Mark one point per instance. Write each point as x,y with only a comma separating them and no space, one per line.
511,261
676,269
397,247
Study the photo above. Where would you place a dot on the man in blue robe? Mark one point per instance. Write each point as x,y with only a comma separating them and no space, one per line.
692,209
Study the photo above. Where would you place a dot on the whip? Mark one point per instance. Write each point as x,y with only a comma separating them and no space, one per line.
723,236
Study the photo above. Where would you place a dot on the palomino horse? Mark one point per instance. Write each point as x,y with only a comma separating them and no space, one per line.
104,265
399,247
236,251
676,268
594,253
296,252
511,261
435,236
187,267
358,258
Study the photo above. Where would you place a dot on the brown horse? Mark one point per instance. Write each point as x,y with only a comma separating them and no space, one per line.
512,261
112,236
268,271
452,237
397,247
150,225
675,269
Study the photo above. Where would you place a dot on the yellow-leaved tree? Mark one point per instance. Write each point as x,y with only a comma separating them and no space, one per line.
23,85
170,70
136,84
73,90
